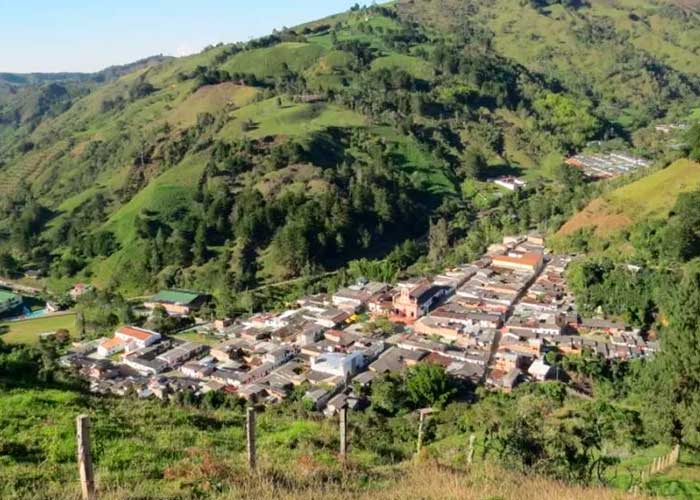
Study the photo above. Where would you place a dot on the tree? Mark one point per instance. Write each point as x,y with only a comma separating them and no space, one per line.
244,264
439,241
693,141
427,384
199,249
669,389
473,164
388,395
9,267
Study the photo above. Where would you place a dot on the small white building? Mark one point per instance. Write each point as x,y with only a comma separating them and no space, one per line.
539,370
338,364
510,183
110,346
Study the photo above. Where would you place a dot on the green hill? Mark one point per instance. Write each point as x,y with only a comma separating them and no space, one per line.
158,173
649,198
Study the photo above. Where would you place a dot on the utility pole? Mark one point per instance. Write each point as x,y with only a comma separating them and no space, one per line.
87,478
250,437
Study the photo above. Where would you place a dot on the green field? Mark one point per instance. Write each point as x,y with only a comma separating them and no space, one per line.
199,338
28,331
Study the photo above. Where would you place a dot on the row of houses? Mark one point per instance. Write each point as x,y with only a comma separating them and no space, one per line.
491,321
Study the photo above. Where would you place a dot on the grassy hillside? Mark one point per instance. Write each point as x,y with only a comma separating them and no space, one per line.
146,449
649,198
628,49
133,175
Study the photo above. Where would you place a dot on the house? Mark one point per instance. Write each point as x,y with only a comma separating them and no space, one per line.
415,298
228,350
176,302
34,273
511,379
381,304
279,355
539,370
310,334
318,397
110,346
396,359
338,364
220,325
357,296
144,365
252,392
328,317
136,338
181,353
510,183
79,290
196,370
531,261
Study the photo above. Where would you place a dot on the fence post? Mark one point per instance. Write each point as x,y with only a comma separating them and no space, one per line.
250,437
470,453
87,478
343,432
422,413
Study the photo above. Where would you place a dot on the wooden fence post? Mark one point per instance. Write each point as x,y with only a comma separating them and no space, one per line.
250,437
422,413
470,454
87,478
343,432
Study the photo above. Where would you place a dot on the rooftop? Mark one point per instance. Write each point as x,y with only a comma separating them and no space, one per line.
182,297
137,333
7,295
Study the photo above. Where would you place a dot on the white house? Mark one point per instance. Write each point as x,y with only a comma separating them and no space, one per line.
136,338
540,370
110,346
338,364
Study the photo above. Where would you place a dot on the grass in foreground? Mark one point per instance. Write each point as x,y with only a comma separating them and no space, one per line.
28,331
149,449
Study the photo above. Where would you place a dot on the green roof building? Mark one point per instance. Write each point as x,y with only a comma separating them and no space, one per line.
177,302
9,301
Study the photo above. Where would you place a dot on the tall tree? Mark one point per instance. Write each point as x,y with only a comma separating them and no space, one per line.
439,241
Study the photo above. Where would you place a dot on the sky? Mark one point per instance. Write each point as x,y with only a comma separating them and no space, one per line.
89,35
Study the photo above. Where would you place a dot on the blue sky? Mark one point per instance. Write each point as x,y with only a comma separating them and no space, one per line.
88,35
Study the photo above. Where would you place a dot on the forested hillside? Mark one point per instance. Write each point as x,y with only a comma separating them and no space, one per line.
295,153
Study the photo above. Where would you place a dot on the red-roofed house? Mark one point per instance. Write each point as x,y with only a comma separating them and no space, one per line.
136,338
110,346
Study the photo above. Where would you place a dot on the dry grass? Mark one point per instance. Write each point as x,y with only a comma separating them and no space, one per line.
600,216
309,479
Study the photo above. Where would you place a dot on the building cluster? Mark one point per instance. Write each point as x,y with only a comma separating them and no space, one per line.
606,166
490,322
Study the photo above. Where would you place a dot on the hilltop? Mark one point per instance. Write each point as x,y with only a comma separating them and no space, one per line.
340,139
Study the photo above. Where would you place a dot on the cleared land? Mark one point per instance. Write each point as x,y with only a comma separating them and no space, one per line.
651,197
28,331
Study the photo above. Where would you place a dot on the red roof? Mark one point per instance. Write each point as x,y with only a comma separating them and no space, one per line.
136,333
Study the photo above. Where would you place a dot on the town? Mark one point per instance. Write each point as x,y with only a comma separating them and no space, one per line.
490,322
